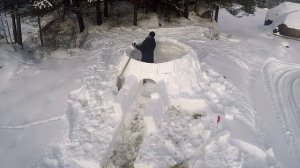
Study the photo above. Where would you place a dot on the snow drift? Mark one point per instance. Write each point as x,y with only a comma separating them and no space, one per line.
284,19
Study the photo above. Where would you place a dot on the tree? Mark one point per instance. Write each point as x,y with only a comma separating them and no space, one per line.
135,9
77,10
3,27
10,7
234,7
105,8
186,9
14,26
38,8
98,11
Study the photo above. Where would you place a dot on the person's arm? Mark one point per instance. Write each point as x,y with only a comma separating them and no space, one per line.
141,46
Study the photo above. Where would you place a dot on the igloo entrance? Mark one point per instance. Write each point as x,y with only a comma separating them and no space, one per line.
165,51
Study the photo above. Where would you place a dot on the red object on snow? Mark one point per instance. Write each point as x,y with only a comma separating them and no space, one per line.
218,120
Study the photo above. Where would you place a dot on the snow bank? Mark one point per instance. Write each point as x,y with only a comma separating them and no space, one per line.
285,13
9,65
284,19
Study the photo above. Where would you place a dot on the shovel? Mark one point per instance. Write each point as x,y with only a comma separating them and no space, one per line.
120,79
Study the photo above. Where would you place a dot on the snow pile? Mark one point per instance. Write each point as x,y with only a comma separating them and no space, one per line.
33,103
285,14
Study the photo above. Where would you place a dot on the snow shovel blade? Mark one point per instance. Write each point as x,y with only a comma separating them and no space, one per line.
120,82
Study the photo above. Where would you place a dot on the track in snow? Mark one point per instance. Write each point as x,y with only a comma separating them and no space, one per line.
283,81
37,123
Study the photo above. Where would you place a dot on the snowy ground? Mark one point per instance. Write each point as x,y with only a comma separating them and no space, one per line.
65,111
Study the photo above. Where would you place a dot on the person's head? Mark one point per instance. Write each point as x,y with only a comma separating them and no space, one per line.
152,34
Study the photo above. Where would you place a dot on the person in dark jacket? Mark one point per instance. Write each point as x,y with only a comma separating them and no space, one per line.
147,48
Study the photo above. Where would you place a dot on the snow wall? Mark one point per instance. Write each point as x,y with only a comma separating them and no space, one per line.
172,60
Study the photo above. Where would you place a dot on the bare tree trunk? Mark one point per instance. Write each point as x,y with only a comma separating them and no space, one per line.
8,28
79,15
154,5
41,33
3,28
167,12
66,7
217,13
80,21
98,11
13,20
196,6
146,6
105,8
19,30
67,3
135,12
186,9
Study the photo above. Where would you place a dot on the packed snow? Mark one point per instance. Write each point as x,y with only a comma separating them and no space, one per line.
64,110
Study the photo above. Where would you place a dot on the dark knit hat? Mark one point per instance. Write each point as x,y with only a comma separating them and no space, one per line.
152,34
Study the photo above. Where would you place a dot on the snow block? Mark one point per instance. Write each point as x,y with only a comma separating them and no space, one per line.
128,93
166,68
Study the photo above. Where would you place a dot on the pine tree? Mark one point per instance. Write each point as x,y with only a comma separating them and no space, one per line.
234,7
39,8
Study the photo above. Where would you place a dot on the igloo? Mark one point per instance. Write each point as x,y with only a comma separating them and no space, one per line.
172,60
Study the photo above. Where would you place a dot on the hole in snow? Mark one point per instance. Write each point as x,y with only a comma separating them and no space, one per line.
165,51
148,87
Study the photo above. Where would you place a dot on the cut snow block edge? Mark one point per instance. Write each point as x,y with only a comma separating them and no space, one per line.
252,150
156,108
127,94
143,165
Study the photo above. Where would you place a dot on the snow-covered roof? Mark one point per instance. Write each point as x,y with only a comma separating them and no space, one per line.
287,13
